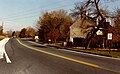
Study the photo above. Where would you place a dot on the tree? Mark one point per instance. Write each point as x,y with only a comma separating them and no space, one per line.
22,33
30,32
13,34
90,9
116,26
54,25
9,33
17,34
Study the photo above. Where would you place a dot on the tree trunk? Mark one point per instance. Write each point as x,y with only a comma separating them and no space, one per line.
88,38
55,41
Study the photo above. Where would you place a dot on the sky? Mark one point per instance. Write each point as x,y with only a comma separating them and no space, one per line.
18,14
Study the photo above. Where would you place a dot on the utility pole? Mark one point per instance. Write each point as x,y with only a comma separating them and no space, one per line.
2,28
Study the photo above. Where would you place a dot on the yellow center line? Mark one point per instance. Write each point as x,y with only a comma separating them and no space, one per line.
67,58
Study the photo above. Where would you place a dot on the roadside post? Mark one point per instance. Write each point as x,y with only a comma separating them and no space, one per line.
65,44
100,33
49,40
109,37
36,39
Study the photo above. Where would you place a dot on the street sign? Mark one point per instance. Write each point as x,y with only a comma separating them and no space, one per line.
109,36
36,37
99,32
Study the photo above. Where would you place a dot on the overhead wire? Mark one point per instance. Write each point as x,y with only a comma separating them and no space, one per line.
51,9
37,10
33,10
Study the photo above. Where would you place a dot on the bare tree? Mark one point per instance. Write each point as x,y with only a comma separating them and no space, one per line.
90,9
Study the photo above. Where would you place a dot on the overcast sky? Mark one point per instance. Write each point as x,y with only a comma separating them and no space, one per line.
17,14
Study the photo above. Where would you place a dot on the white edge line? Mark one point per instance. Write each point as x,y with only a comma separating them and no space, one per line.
81,52
6,56
91,54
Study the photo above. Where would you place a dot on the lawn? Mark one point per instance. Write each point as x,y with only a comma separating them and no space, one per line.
108,53
115,54
112,53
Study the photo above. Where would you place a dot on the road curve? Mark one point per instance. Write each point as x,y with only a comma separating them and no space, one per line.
31,58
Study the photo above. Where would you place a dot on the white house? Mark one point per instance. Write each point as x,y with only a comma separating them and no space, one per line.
81,27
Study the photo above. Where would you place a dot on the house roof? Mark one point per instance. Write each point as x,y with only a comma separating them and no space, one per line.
83,26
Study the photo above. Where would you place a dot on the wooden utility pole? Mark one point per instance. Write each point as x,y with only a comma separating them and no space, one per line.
1,28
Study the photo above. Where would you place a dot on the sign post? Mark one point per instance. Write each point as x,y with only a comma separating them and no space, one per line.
109,37
36,39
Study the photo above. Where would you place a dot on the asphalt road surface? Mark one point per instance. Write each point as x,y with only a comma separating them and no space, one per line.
32,58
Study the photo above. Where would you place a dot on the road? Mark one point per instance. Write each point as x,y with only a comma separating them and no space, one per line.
32,58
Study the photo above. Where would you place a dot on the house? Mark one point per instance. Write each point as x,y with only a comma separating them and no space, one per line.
106,37
114,40
80,28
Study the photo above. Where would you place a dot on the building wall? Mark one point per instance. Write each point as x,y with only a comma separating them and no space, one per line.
76,33
79,30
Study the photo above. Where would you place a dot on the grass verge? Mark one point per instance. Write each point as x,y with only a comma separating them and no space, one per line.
115,54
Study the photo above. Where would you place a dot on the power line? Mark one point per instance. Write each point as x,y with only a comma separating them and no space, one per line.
34,9
47,10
